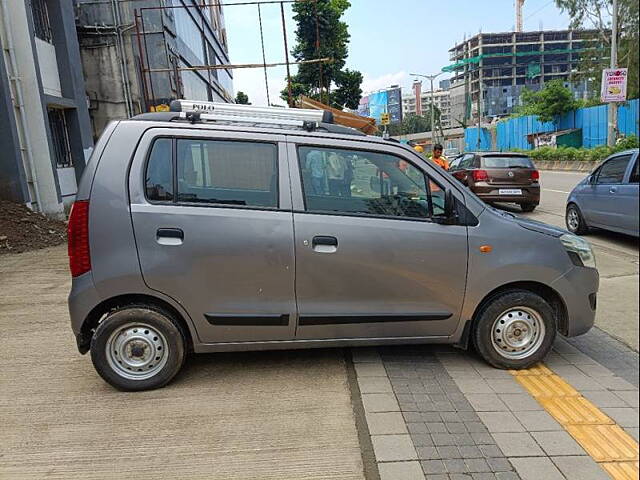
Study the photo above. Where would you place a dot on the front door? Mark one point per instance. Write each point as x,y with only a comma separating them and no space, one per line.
370,262
214,231
609,191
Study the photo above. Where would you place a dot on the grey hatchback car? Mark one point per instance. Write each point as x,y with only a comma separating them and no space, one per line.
607,198
218,228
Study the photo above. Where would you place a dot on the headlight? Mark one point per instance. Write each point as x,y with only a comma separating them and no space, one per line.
579,250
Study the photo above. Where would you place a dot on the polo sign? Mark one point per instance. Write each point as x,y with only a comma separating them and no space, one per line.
614,85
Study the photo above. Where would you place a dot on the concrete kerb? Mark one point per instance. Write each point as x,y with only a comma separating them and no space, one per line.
567,165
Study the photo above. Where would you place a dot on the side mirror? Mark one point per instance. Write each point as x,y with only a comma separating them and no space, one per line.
591,179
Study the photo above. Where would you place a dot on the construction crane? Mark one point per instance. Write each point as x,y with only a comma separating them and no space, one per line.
519,4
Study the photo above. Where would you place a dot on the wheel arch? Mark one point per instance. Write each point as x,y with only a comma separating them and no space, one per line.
97,314
550,295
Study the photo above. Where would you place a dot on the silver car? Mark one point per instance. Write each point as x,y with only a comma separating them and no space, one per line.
205,232
607,198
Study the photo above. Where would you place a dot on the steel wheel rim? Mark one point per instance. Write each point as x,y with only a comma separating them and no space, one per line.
517,333
572,219
136,351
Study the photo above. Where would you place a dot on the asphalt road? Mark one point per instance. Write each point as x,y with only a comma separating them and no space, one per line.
616,256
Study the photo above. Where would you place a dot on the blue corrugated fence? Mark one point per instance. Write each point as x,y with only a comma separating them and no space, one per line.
513,133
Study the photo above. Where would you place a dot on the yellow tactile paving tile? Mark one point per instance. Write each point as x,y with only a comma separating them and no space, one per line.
546,386
574,411
605,443
539,369
622,470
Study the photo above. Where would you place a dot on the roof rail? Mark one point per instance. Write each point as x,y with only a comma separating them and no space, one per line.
195,112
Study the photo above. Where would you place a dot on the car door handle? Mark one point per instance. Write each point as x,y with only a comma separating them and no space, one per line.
169,236
324,240
324,244
613,190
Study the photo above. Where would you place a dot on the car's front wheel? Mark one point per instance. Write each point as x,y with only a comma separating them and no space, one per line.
138,347
515,329
575,221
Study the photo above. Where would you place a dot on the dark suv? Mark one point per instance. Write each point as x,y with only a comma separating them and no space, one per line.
499,177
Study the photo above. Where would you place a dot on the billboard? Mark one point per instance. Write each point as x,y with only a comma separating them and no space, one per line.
377,105
394,104
614,85
363,107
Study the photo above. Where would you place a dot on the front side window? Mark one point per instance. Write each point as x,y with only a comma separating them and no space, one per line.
227,172
612,172
357,182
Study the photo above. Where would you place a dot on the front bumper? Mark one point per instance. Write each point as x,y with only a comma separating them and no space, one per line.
578,289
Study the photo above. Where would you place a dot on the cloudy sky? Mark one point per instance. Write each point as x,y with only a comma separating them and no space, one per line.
389,40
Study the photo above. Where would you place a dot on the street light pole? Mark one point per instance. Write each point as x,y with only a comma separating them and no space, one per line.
431,78
613,107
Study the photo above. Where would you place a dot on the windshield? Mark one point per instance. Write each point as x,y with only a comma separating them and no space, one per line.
504,161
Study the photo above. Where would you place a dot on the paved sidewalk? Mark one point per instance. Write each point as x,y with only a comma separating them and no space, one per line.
439,413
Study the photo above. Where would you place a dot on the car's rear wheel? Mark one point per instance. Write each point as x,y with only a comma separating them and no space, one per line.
528,207
575,221
515,329
138,347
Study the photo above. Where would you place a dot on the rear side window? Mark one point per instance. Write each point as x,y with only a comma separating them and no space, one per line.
505,161
159,176
612,172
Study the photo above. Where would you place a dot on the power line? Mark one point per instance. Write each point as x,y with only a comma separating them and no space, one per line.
539,10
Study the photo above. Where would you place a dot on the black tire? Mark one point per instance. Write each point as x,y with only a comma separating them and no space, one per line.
172,345
581,228
528,207
496,309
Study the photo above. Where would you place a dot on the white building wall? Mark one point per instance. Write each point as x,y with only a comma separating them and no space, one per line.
48,64
38,164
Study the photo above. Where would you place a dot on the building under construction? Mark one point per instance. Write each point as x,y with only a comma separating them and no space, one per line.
137,55
492,69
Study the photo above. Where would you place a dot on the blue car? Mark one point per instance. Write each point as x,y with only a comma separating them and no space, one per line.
608,198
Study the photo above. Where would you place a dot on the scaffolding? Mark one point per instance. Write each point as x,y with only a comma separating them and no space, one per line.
146,70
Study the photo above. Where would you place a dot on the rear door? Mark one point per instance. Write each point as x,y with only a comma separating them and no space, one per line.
628,193
213,225
370,261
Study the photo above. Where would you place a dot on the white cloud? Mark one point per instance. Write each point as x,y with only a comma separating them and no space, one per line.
371,84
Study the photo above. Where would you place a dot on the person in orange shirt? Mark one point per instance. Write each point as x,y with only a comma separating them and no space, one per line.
438,158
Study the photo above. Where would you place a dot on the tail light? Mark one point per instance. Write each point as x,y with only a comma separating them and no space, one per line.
480,176
535,175
78,238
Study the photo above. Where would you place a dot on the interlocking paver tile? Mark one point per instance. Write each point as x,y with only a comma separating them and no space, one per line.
380,402
507,385
501,422
433,466
486,402
482,439
455,465
470,452
628,397
392,448
374,385
582,467
520,402
491,451
558,443
365,355
518,445
370,370
477,465
625,417
428,453
538,421
401,471
386,423
422,440
474,386
499,464
604,399
536,469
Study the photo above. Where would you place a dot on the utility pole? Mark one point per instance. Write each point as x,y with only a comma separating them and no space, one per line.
613,107
479,142
431,78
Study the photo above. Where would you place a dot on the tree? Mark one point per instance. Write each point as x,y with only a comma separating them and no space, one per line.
597,14
242,98
317,80
549,103
414,124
